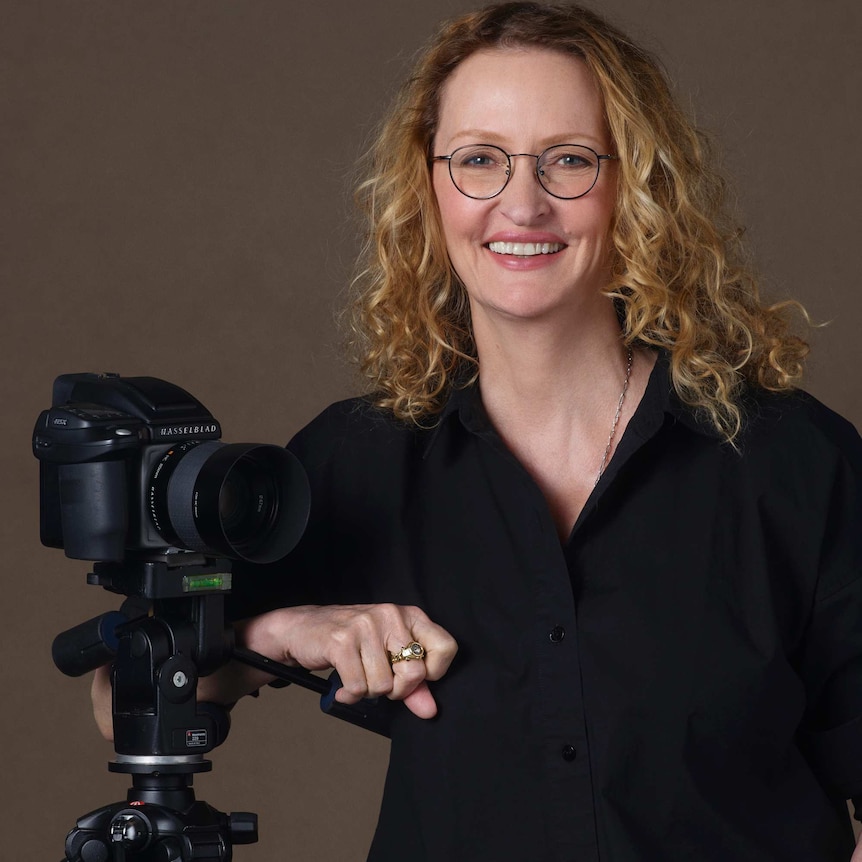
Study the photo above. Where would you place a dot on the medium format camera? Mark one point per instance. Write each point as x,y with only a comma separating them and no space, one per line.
132,467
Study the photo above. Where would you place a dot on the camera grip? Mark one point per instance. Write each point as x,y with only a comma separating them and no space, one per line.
94,511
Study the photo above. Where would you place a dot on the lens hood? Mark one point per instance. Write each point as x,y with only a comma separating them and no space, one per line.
242,500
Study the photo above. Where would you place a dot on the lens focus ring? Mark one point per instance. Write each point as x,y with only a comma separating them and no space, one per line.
182,494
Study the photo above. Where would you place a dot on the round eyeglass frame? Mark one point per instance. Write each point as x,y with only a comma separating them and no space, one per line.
600,157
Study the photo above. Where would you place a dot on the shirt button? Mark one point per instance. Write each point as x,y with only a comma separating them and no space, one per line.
569,753
557,633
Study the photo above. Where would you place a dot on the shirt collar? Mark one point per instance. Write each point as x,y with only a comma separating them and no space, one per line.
673,406
463,402
660,402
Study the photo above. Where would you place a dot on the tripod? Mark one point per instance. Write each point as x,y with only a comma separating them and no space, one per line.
170,631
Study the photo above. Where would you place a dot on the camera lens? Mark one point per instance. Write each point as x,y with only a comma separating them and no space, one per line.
233,501
236,499
248,503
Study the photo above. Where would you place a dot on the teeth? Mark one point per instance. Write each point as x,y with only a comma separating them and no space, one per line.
525,249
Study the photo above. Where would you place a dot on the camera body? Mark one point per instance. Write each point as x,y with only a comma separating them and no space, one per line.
132,467
98,446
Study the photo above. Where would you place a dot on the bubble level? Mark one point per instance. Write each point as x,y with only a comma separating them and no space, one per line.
201,583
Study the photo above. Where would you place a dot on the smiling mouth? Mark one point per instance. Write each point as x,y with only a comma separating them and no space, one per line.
525,249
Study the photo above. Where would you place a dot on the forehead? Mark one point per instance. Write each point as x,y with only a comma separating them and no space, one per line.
508,95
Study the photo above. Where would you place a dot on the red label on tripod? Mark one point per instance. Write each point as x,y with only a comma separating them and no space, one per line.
196,738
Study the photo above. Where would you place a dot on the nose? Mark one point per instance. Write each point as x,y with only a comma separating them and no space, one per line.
524,201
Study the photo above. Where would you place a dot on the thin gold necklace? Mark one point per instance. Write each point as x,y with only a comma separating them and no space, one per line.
629,363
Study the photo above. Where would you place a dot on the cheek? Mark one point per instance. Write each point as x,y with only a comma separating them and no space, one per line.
606,202
440,183
458,214
596,220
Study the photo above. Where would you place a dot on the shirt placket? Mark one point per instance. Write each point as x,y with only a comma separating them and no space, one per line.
559,718
570,806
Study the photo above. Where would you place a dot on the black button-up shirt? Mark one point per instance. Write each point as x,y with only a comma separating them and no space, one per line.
682,680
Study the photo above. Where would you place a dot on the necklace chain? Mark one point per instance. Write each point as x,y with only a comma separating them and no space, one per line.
629,363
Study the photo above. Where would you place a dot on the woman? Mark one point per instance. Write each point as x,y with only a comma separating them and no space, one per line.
585,463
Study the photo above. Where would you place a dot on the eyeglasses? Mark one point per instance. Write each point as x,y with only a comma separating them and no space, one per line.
565,171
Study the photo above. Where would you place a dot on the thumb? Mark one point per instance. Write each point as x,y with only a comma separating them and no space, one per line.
421,702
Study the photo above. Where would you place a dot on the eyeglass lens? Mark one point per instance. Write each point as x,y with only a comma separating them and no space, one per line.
565,171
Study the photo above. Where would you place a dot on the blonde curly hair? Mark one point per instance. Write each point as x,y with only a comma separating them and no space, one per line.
679,275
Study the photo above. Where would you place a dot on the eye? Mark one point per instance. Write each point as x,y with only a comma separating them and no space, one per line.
572,160
477,161
477,158
568,158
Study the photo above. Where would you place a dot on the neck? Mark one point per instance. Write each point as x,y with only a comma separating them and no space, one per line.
547,367
553,391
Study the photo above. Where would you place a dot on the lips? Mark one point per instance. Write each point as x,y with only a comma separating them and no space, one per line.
525,249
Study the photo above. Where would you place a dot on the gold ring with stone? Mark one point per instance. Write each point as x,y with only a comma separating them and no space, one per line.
412,652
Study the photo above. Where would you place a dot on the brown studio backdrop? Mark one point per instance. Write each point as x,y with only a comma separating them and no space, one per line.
177,204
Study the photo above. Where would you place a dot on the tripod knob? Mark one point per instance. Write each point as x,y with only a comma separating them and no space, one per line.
243,827
131,830
94,851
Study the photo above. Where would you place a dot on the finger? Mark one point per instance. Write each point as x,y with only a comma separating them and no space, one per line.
100,692
376,629
364,656
396,680
354,684
440,646
407,676
378,670
407,673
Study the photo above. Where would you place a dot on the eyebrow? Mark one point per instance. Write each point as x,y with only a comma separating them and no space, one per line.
483,136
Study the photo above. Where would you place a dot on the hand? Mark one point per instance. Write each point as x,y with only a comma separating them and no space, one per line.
100,693
857,853
356,640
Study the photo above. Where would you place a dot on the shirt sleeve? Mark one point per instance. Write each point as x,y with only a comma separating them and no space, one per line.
830,659
307,575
